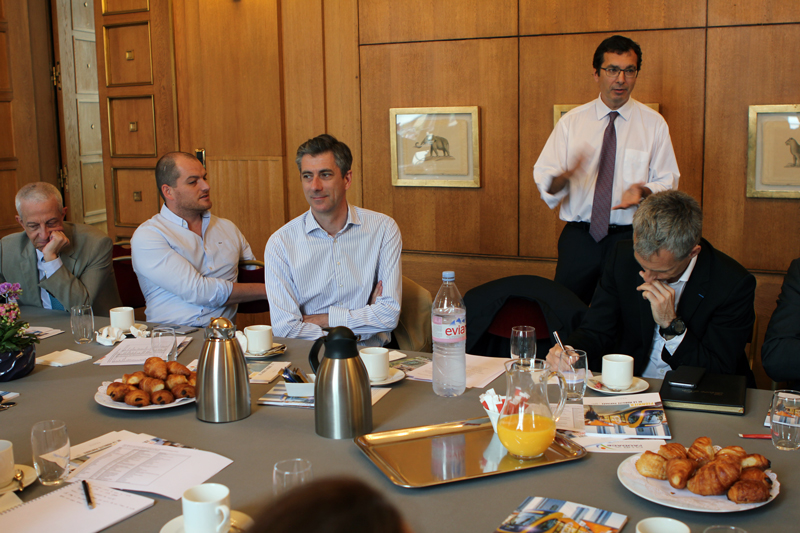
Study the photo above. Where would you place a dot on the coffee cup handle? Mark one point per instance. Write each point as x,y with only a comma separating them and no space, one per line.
226,519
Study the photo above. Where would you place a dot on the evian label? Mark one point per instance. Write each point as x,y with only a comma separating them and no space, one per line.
449,329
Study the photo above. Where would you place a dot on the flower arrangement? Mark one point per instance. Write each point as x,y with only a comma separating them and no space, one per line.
12,329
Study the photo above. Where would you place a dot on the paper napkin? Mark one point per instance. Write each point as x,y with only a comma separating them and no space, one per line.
62,358
109,335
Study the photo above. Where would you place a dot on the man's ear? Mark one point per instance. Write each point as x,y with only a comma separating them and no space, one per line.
19,221
695,251
348,179
166,190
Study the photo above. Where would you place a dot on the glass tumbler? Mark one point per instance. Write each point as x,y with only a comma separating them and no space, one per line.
163,343
785,419
289,474
82,323
523,342
50,447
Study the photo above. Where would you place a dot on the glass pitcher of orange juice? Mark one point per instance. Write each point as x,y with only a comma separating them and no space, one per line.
527,426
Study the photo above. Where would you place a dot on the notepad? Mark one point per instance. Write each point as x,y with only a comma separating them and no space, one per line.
62,358
68,506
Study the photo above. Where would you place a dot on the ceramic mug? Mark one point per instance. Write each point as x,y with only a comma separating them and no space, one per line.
6,462
122,318
617,371
207,509
377,362
259,339
660,524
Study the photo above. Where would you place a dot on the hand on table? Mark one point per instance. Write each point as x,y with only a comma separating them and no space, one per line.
56,243
662,301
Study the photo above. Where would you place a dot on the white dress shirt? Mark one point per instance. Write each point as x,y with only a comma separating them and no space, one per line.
186,279
644,155
46,269
308,272
656,368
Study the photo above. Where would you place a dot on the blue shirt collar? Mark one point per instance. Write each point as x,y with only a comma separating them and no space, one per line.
175,219
311,223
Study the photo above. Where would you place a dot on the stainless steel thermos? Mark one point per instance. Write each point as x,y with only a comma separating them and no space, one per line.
223,386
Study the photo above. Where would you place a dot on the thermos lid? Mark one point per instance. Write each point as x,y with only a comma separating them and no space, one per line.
220,328
340,343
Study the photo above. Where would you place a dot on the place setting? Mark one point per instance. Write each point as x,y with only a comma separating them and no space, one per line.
257,342
617,377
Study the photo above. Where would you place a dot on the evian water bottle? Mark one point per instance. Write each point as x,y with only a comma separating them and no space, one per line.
449,328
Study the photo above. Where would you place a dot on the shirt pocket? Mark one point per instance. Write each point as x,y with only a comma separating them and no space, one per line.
635,166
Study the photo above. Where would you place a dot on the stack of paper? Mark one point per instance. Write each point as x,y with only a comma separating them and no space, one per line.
480,370
62,358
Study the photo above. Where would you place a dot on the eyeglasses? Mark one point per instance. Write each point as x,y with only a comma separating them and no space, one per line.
613,72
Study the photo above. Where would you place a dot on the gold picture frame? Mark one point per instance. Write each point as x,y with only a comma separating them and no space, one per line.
559,110
773,151
435,146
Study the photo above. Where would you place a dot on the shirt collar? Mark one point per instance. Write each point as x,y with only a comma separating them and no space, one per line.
686,273
175,219
311,223
39,255
603,110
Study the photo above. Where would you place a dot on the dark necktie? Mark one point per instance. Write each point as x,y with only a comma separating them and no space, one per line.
601,206
55,304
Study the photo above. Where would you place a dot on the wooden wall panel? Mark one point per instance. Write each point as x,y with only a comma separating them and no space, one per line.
94,201
5,67
249,191
132,126
85,56
578,16
124,6
136,196
127,54
760,233
7,149
389,21
726,12
8,190
480,73
89,132
570,81
304,79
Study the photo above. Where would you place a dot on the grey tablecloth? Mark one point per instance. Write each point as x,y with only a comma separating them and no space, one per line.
274,433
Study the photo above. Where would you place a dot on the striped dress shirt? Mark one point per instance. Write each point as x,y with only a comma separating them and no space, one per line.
309,272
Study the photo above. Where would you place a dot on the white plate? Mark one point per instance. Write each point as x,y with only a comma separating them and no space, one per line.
269,353
29,474
661,492
638,385
238,519
395,375
105,400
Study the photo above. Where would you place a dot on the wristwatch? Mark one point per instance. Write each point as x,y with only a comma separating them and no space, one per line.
676,327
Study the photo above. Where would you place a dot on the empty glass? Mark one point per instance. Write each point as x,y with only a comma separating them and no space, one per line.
162,342
82,323
523,342
289,474
50,446
724,529
785,419
573,366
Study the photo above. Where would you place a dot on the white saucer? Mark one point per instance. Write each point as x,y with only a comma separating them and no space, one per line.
395,375
238,519
30,476
637,385
272,352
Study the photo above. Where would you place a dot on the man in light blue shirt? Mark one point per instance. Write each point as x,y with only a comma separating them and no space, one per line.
336,264
187,259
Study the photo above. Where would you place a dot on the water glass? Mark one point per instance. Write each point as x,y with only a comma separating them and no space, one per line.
523,342
573,366
82,322
289,474
163,343
50,446
785,419
724,529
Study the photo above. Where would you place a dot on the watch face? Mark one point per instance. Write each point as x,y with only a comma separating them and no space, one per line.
678,326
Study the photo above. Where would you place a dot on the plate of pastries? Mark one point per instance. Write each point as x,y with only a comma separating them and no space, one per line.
703,477
161,385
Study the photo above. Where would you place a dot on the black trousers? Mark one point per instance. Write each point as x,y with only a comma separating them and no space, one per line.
581,260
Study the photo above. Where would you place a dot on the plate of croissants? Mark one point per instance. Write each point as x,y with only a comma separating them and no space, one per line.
161,385
703,477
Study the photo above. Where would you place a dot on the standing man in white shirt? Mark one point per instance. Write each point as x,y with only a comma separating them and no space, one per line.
601,160
336,264
186,259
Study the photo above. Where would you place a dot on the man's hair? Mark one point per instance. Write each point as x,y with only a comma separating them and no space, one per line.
668,220
616,44
326,143
167,172
39,191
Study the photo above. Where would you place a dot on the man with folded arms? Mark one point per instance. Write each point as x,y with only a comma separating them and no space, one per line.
58,264
601,160
186,259
336,264
668,298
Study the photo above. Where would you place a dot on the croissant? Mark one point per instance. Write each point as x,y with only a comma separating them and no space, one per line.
193,379
714,478
748,491
184,391
736,451
162,397
117,391
155,367
755,474
672,450
701,450
756,460
174,367
133,379
175,379
679,470
137,398
652,465
150,385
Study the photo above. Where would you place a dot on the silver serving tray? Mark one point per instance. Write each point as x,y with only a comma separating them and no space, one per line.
443,453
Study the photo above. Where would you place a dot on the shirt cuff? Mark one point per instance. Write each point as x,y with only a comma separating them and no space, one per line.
50,267
672,344
337,316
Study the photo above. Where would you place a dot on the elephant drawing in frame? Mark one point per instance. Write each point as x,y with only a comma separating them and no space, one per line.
437,144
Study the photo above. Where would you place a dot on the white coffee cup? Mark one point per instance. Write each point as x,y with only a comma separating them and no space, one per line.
207,509
377,362
122,318
660,524
617,371
259,339
6,462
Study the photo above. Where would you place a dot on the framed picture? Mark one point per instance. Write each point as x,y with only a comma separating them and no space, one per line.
559,110
435,147
773,151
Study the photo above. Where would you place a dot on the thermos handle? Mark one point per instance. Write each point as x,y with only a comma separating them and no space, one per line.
313,355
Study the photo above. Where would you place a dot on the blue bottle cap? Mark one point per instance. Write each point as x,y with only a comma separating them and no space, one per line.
448,275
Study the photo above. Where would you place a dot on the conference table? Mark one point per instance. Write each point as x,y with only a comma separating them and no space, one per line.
271,434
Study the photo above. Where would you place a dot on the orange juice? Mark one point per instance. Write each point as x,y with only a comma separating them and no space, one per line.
530,438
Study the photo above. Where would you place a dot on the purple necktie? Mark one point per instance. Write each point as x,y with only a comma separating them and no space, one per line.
601,206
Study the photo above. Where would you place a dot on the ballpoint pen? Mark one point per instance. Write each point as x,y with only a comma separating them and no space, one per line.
88,493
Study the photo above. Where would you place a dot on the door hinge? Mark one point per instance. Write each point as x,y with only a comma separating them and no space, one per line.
55,75
63,182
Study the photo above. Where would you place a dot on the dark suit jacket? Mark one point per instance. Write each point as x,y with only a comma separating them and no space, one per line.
780,353
86,277
716,306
